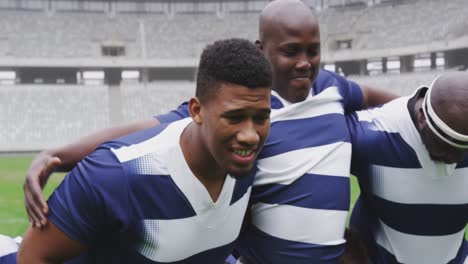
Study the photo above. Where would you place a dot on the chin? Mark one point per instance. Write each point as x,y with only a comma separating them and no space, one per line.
240,173
301,96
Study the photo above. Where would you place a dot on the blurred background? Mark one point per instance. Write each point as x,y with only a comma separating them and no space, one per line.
71,67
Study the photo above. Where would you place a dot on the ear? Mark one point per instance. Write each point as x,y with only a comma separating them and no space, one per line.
259,44
195,110
420,119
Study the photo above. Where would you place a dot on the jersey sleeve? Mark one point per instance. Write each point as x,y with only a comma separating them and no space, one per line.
353,97
350,91
357,136
91,199
180,113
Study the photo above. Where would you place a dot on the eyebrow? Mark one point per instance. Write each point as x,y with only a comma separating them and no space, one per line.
241,111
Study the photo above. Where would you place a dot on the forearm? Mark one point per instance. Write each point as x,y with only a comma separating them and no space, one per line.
374,97
72,153
36,260
47,245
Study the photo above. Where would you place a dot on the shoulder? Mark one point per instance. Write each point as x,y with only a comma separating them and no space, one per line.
393,111
155,137
327,79
148,149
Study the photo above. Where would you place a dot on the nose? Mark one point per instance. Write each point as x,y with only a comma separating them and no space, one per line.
303,63
248,135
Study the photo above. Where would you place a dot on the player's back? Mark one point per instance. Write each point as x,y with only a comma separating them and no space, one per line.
411,210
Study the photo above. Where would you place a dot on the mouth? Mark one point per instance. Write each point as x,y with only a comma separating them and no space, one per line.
243,152
305,78
301,81
244,156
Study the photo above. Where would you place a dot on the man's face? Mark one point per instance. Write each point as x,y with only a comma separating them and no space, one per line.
236,122
293,50
438,149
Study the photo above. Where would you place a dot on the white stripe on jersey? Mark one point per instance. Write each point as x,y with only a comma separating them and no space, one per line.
156,144
417,186
325,227
285,168
414,249
177,239
8,245
327,102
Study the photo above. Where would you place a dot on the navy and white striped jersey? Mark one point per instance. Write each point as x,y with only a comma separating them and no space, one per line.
135,200
300,198
8,249
412,209
301,193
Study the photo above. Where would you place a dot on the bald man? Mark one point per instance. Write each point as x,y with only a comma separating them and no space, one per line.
300,197
410,159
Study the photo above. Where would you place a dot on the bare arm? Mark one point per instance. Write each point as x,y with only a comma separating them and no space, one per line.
374,97
64,159
47,245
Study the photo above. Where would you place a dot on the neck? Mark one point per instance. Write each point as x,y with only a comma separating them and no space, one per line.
201,162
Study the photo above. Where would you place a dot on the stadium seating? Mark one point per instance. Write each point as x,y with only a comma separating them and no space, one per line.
34,117
143,101
81,34
400,84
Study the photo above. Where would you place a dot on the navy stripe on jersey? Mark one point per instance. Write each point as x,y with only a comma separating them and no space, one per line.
242,185
382,148
134,138
297,252
8,259
349,90
159,186
413,218
326,129
109,256
276,103
180,113
309,191
385,257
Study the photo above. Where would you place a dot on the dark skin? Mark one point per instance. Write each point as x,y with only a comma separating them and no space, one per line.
210,144
238,121
290,40
448,98
280,30
355,251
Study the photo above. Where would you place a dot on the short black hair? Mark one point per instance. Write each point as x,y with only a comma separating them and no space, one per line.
234,60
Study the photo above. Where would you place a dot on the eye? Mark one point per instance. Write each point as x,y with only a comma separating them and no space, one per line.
312,52
234,119
290,51
261,119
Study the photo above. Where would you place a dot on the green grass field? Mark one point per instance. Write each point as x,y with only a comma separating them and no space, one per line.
13,220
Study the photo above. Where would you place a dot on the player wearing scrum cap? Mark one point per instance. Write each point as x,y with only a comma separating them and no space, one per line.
410,158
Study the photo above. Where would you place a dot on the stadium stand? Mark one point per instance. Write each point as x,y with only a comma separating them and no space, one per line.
81,34
401,84
141,101
34,117
163,41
